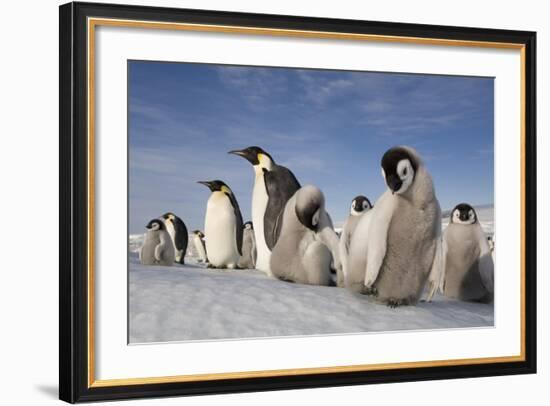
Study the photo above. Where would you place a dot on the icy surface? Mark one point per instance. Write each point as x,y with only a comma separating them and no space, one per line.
191,302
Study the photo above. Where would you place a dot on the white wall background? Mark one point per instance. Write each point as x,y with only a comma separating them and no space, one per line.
29,189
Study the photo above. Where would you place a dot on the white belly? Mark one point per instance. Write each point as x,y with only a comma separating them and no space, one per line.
199,248
172,231
259,205
221,242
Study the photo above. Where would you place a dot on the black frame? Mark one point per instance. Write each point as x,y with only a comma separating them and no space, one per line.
73,330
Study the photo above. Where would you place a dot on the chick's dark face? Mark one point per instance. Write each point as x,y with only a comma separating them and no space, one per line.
463,213
155,224
360,204
398,168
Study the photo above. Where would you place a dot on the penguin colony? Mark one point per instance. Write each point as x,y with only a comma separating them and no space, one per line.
393,250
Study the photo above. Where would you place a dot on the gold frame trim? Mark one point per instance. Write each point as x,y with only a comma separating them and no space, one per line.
93,22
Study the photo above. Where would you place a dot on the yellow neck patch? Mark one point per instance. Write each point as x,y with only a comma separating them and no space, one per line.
265,161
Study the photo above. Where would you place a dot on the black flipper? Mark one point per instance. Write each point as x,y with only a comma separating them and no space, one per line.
239,222
280,184
182,237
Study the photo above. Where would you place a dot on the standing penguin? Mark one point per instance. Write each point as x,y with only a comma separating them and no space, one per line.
248,259
274,185
178,232
396,246
303,252
157,248
198,244
223,226
468,260
359,206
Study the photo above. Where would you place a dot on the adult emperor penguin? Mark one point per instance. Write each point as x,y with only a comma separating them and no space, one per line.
467,256
248,259
359,206
303,252
157,248
223,226
274,185
396,246
178,232
198,244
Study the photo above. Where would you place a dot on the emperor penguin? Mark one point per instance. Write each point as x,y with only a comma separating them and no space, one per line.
248,259
467,256
198,244
223,226
303,254
157,248
178,233
274,185
396,247
359,206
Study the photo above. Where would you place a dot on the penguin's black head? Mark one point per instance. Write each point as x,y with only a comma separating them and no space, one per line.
198,233
463,213
360,204
169,216
309,204
155,225
254,155
216,186
248,225
399,167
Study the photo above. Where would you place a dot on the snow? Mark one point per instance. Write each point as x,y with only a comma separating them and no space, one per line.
191,302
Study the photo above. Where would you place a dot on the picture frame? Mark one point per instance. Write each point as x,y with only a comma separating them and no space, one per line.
78,380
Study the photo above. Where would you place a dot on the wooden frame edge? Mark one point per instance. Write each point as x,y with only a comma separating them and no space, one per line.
68,386
93,22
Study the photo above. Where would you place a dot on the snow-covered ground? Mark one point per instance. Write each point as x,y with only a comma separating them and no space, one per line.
191,302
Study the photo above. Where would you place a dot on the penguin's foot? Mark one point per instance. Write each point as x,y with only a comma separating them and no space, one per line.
210,266
393,303
371,291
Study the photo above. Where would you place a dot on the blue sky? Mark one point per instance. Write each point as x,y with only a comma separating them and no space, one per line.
329,127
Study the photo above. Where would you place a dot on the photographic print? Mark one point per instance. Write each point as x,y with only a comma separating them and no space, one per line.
276,202
255,202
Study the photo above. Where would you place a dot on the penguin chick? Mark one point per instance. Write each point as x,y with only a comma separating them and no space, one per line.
157,248
301,254
223,226
198,244
359,206
467,256
396,247
248,259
